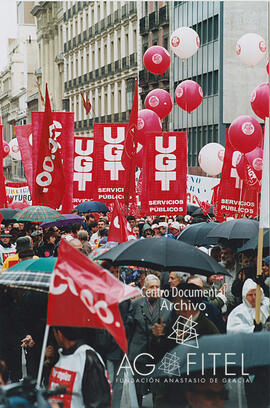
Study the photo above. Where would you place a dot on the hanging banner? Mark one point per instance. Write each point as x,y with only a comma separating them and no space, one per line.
234,196
63,130
164,185
83,169
108,171
18,192
24,137
199,187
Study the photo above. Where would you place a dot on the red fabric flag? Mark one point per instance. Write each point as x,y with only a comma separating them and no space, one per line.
120,230
86,103
204,205
235,197
250,176
130,149
1,219
24,137
82,294
3,196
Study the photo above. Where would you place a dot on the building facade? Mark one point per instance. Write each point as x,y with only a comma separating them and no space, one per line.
226,82
15,82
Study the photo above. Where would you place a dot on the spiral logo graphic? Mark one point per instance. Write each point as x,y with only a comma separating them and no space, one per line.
248,128
153,101
258,164
238,49
201,91
179,92
175,41
262,46
157,59
140,123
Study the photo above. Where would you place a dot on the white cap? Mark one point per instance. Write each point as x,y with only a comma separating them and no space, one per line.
175,225
163,224
155,226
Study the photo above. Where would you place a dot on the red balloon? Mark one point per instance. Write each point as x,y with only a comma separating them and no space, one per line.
188,95
260,100
148,123
160,102
139,159
245,134
267,66
157,59
254,159
6,149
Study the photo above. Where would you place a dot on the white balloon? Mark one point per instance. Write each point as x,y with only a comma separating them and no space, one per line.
251,48
211,158
14,149
184,42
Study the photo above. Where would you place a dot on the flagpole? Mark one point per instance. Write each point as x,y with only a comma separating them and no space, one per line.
259,273
43,351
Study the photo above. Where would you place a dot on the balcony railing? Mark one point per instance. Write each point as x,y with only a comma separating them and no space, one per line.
133,60
124,62
90,32
153,20
85,78
163,16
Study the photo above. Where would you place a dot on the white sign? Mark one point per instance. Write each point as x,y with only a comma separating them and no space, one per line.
201,187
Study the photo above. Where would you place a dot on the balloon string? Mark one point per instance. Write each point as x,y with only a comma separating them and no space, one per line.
241,191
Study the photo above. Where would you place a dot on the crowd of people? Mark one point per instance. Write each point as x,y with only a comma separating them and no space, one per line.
218,304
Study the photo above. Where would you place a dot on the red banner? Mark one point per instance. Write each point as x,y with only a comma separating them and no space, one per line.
164,189
82,294
24,137
234,197
3,197
63,130
83,169
120,230
108,171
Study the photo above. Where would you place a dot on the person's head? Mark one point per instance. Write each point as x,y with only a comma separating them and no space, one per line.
228,257
66,336
141,279
93,226
83,236
21,226
25,254
175,278
136,231
131,220
211,279
23,243
265,266
111,268
3,373
50,237
76,243
216,253
163,227
101,225
37,237
175,228
152,286
5,237
206,394
74,211
16,225
75,229
196,281
89,218
249,293
156,229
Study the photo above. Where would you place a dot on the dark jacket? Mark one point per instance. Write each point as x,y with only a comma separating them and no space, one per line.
141,322
47,250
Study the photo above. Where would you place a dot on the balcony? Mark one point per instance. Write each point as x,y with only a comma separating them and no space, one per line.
102,119
65,104
66,86
117,66
109,118
132,7
116,117
90,32
90,123
85,78
85,3
69,13
74,42
153,21
79,5
96,28
163,16
79,124
74,82
85,35
69,45
91,76
79,39
133,60
124,116
124,11
110,69
74,9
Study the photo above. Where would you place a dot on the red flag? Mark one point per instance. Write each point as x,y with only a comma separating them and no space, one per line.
82,294
250,176
1,218
3,196
205,206
49,179
86,103
120,229
130,149
24,134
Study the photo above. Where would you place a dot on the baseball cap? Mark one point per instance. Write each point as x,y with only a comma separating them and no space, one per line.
155,226
5,234
175,225
163,224
23,243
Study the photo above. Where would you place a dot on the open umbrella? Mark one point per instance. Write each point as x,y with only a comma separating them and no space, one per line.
196,234
67,220
34,274
252,243
38,213
191,208
9,213
92,206
248,349
198,212
164,254
235,229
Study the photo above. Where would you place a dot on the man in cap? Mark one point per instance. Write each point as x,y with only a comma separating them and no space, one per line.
24,250
37,237
6,248
175,229
163,227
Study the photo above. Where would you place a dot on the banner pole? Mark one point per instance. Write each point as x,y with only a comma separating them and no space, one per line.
44,345
259,273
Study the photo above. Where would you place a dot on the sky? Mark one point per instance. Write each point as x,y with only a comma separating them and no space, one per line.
7,27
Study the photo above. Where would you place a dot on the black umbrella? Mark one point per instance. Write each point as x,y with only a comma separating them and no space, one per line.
164,254
9,213
198,212
191,208
196,234
235,229
253,242
246,350
92,206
